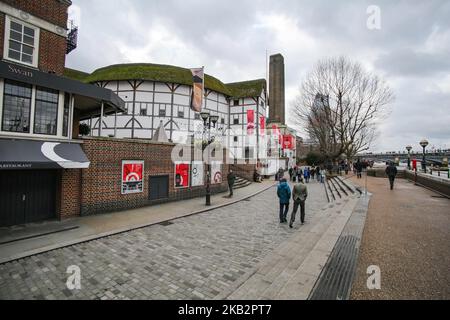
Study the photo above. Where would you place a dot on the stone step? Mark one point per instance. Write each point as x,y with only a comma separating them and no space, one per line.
307,251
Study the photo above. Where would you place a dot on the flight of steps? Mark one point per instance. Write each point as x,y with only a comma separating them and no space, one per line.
338,188
241,183
292,269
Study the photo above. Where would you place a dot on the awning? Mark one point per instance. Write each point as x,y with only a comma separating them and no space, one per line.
86,91
28,154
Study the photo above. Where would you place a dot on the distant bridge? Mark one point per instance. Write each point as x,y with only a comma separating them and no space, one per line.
432,158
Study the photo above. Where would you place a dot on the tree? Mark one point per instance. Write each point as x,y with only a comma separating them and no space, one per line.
84,129
340,105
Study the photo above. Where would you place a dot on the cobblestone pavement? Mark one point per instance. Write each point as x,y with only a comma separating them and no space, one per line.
196,257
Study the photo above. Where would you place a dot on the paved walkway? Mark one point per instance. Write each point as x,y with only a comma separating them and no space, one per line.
91,227
202,256
407,234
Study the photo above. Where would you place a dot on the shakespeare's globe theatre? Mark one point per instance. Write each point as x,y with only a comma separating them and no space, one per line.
156,94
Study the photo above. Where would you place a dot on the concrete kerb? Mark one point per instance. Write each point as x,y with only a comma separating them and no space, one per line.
31,253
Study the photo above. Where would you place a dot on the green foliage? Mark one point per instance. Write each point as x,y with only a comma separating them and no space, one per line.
314,158
84,129
75,74
252,88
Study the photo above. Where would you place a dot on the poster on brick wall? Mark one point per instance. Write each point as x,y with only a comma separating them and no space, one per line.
197,174
182,175
132,176
216,172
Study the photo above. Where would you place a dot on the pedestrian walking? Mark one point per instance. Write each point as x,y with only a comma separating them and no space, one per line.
291,173
322,175
280,174
299,173
231,178
313,172
299,195
306,174
359,168
284,194
391,172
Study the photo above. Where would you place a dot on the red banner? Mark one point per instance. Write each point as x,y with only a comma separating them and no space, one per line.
250,121
288,142
262,125
182,175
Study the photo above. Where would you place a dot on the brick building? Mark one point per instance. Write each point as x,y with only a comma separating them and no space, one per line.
47,171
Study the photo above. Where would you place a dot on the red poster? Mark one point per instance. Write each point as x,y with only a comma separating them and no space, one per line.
288,142
132,176
182,175
262,125
250,121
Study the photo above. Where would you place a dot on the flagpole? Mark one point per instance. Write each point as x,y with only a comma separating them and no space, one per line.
203,86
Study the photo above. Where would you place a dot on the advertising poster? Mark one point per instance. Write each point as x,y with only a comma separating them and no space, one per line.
181,175
262,125
250,121
216,172
132,176
197,174
288,142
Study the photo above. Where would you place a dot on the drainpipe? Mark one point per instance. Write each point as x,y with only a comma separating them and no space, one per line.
100,124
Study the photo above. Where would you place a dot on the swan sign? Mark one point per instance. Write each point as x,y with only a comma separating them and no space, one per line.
132,176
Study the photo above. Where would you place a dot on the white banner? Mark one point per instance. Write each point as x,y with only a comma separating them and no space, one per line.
216,172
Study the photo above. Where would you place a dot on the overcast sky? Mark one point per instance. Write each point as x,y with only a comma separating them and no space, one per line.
410,50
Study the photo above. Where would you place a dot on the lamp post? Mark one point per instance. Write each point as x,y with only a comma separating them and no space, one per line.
409,148
424,144
209,121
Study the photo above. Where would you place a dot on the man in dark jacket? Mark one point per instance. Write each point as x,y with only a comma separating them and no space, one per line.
231,178
359,168
391,172
284,194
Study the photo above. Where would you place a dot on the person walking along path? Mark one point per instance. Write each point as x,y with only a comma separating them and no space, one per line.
391,172
284,194
231,178
299,195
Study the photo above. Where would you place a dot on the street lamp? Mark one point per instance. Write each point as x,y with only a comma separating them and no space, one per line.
409,148
209,121
424,144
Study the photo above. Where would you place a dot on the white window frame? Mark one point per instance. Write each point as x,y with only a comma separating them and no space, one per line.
8,20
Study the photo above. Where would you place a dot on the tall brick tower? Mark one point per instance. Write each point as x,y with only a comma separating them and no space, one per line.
276,91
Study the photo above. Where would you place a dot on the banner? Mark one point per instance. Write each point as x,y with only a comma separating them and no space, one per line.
132,176
250,121
288,142
262,125
197,174
216,172
181,175
197,89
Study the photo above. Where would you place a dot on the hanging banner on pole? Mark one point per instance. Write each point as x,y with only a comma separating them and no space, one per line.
250,122
181,175
132,176
288,142
197,89
262,125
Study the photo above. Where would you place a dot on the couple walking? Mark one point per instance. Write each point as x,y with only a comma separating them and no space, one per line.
299,195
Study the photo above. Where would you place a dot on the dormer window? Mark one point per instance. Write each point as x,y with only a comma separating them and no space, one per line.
21,42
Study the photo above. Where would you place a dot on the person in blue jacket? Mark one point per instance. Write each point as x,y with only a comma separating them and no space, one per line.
284,194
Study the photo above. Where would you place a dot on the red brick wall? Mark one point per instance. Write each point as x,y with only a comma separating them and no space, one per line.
52,52
52,47
53,11
101,182
70,193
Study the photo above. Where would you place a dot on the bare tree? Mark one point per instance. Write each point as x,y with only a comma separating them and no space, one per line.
340,105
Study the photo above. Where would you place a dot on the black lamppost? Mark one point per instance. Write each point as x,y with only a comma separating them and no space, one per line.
409,148
424,144
209,121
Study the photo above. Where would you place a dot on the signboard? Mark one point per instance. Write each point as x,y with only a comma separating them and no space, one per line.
181,175
262,125
132,176
197,174
216,172
288,142
250,121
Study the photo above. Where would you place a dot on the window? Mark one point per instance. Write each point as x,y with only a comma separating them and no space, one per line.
236,120
180,114
235,139
143,110
162,112
46,111
222,120
236,102
21,42
66,112
197,116
16,107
